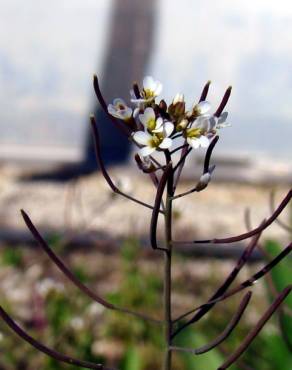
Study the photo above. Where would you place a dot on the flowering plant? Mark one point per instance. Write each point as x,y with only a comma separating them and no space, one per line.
157,127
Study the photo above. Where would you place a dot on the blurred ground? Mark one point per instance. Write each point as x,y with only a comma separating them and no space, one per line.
43,301
87,204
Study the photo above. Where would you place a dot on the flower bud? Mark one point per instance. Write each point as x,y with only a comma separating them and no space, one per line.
179,98
144,164
163,105
204,181
182,125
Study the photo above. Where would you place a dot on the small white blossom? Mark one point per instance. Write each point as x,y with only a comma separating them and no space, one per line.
196,140
151,89
197,134
201,108
119,109
150,122
154,141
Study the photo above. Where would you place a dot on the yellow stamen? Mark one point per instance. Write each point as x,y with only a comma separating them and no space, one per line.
151,124
156,140
194,132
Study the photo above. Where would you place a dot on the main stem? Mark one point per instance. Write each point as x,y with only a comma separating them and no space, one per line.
167,273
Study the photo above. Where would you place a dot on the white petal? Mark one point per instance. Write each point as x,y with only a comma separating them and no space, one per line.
158,88
138,101
142,137
204,141
147,116
212,123
168,128
222,117
195,143
132,94
202,122
148,83
118,101
136,112
112,111
159,125
205,178
166,143
223,125
203,107
127,113
149,113
147,150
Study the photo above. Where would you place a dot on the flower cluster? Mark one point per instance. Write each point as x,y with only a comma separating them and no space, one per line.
156,126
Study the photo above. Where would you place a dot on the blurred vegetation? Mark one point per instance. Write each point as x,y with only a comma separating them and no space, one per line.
68,322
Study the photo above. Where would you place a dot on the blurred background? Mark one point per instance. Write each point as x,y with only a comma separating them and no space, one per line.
49,52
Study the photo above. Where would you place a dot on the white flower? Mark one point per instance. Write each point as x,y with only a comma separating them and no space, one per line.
119,109
151,89
197,141
154,141
201,108
196,135
150,122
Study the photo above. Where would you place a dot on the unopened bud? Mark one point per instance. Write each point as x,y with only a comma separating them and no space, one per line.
204,181
144,164
163,105
136,90
179,98
182,125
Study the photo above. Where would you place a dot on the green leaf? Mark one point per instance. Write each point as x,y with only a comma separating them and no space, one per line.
132,360
277,354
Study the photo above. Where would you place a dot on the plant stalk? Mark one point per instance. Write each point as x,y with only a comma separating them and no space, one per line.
167,272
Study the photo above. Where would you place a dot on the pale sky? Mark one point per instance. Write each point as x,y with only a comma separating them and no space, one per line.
49,51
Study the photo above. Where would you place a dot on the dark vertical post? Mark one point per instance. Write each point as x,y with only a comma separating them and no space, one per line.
128,51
